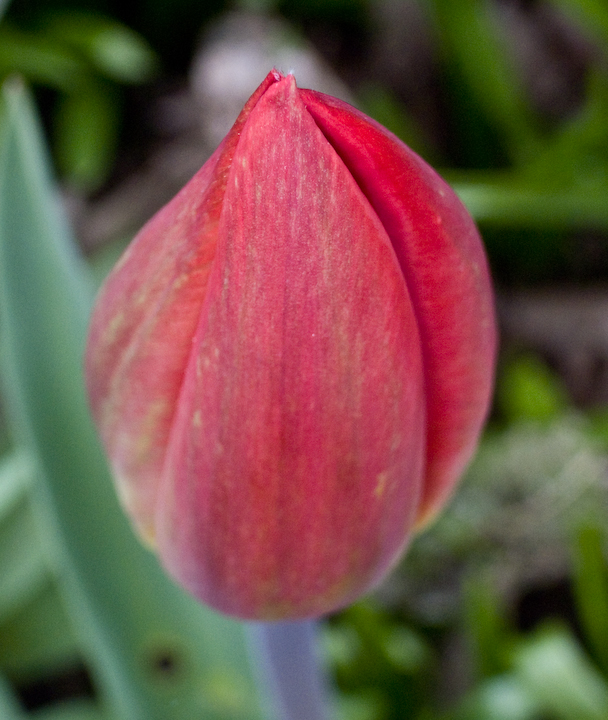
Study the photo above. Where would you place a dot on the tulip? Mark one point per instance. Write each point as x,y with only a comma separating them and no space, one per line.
291,364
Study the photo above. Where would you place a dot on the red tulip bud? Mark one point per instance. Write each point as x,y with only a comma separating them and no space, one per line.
291,364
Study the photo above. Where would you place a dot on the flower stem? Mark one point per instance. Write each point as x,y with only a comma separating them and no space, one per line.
292,680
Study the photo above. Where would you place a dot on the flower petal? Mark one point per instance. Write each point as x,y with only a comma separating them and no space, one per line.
442,259
142,328
296,456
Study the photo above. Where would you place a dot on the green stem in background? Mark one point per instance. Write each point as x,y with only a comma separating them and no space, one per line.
590,587
285,657
511,204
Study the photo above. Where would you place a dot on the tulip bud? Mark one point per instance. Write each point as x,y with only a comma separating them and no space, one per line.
291,364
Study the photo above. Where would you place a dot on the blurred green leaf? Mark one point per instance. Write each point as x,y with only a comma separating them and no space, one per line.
39,59
598,425
86,134
555,671
361,706
381,664
406,650
73,52
486,627
590,576
507,201
115,50
499,698
563,185
575,157
474,48
38,638
528,390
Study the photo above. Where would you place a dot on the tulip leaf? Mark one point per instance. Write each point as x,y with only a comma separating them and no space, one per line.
153,653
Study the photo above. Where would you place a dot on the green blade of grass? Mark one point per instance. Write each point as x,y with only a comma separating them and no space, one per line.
591,590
